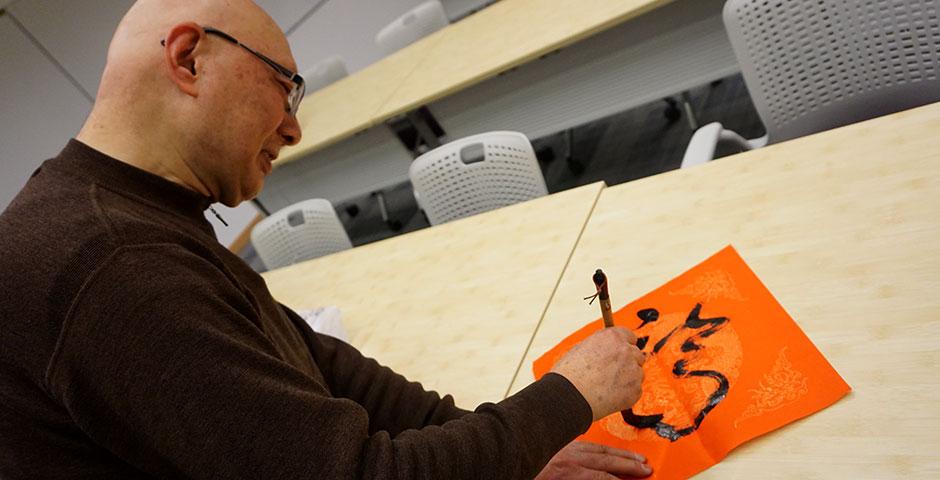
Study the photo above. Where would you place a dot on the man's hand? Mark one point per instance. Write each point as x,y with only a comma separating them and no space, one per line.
607,369
590,461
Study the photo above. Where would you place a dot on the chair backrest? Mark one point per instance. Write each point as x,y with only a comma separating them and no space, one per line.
324,72
417,23
813,65
476,174
302,231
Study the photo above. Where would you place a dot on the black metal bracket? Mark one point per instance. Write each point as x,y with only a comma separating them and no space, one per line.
260,206
417,130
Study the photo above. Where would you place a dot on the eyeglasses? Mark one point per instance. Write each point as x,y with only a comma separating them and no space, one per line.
296,93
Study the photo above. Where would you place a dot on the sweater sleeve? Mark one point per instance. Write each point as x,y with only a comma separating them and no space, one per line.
393,403
163,362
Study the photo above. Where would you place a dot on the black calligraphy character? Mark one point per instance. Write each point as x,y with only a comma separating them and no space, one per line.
702,328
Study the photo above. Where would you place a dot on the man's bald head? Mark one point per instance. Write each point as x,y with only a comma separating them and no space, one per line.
149,19
197,110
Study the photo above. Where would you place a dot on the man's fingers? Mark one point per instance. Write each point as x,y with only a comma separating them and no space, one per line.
630,337
585,446
598,448
595,475
595,461
640,356
615,464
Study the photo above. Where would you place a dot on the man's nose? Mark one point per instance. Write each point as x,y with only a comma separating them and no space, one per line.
290,129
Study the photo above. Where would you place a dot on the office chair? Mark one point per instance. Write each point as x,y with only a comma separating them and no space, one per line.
815,65
324,72
476,174
417,23
302,231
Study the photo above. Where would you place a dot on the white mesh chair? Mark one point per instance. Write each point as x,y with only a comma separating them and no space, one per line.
324,72
417,23
476,174
813,65
302,231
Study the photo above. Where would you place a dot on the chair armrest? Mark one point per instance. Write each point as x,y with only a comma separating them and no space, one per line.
702,146
417,199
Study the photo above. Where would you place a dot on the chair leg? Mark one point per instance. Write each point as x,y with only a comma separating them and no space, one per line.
574,165
689,111
394,225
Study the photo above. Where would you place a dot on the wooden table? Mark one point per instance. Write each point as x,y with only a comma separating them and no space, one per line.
453,306
349,105
663,52
843,228
504,35
499,37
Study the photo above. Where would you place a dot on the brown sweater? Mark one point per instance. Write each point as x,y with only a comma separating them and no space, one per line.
133,345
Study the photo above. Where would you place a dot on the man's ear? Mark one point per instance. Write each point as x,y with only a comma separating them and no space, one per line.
179,49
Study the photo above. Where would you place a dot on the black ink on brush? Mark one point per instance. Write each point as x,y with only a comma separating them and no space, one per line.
600,287
600,281
680,370
603,295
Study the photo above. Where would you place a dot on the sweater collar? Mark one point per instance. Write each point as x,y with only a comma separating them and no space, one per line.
80,159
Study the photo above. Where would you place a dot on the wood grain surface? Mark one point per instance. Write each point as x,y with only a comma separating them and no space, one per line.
348,106
497,38
843,227
455,305
504,35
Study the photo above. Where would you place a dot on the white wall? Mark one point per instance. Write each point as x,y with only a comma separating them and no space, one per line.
457,9
346,28
75,32
288,12
40,109
49,74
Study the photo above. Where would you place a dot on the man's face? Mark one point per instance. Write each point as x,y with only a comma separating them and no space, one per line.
250,111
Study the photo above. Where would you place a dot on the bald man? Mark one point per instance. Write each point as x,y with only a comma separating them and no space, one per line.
135,346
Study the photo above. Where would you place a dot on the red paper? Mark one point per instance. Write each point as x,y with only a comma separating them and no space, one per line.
725,364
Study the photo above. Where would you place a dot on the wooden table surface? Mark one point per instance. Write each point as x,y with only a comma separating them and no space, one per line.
349,105
497,38
455,305
504,35
843,227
